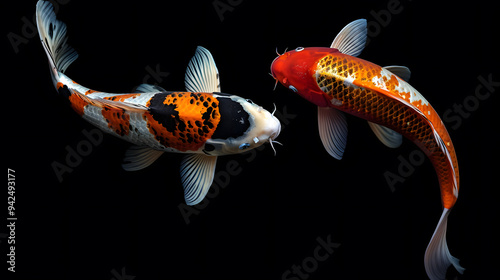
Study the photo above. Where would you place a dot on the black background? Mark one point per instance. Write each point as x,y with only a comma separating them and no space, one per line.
101,219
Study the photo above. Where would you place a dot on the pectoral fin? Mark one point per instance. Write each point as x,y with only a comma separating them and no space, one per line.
332,130
389,137
202,74
197,174
351,39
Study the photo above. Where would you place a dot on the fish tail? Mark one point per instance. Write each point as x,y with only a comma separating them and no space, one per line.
437,256
54,40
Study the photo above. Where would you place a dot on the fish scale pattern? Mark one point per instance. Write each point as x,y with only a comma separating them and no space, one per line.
366,103
337,77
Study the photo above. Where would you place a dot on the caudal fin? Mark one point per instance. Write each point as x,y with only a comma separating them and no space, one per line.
54,40
437,256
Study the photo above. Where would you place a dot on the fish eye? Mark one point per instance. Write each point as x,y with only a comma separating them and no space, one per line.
244,146
294,89
299,49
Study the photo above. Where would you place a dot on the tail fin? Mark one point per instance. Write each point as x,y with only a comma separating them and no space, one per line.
53,37
437,256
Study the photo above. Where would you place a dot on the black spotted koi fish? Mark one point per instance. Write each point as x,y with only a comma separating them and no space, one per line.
201,122
338,82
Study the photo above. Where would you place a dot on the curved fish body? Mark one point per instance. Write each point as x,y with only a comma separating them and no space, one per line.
201,122
339,82
208,123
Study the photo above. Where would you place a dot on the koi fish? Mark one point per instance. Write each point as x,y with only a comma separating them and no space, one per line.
338,82
201,122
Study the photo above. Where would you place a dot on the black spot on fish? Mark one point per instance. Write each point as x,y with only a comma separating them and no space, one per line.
181,125
231,116
209,147
165,114
64,91
207,118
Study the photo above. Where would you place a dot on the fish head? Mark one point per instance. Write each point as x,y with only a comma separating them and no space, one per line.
243,126
296,70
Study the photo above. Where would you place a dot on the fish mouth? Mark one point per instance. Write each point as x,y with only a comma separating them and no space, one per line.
272,63
272,72
275,134
274,75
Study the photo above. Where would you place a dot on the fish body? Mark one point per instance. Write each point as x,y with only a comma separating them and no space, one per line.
201,122
338,82
174,121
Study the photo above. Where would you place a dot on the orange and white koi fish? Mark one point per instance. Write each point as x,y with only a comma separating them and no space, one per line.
337,81
201,122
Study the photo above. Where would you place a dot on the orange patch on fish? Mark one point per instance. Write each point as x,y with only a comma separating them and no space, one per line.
118,120
78,103
90,91
183,120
